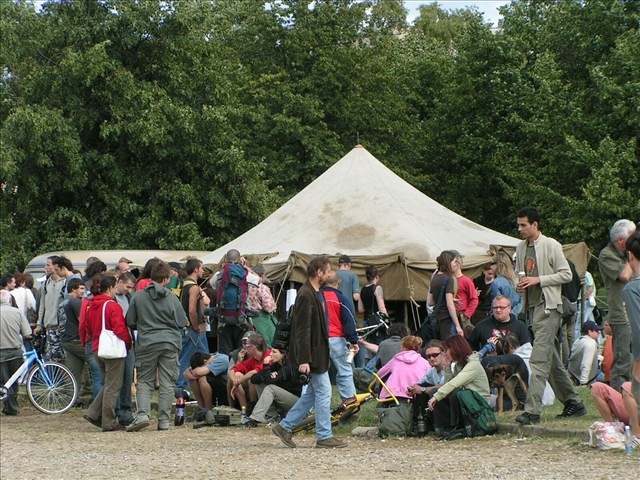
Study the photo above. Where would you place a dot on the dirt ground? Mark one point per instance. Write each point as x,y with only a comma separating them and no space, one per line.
67,447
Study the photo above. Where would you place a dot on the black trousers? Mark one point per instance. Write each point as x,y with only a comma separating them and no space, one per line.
8,368
446,413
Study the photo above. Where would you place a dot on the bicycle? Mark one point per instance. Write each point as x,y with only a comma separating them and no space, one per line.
51,387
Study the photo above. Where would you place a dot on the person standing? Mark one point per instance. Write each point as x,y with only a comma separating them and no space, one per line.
23,296
125,287
546,269
230,285
50,296
75,356
372,301
342,337
13,328
483,288
442,292
309,350
158,316
349,284
194,301
616,272
105,312
631,296
466,298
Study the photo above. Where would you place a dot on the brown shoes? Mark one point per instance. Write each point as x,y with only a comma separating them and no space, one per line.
331,442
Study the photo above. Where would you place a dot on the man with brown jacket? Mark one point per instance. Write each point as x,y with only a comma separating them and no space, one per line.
309,351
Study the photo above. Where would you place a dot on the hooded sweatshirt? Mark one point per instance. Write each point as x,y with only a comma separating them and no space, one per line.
159,318
406,368
113,320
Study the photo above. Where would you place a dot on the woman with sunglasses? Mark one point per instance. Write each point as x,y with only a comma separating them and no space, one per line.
466,372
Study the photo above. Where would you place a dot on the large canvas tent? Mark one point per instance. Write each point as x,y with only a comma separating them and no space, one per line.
361,208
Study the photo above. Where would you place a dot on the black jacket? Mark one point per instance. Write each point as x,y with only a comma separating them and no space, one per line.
284,376
309,331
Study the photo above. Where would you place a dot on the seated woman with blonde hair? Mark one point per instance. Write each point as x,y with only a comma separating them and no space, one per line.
405,369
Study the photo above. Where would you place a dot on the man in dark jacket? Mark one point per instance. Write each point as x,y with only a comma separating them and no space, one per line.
158,316
500,324
309,350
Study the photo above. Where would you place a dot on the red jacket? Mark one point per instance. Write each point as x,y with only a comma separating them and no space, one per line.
251,363
91,327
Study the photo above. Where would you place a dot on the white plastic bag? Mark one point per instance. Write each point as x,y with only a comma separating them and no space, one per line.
607,435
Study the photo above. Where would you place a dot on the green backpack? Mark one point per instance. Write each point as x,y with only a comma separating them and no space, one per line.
478,416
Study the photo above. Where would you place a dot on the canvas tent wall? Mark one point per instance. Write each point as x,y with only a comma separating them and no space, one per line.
361,208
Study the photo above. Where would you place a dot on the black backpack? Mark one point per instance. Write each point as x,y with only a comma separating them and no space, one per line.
283,330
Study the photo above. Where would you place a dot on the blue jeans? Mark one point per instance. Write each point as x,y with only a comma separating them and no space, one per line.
316,395
96,373
191,342
344,373
123,406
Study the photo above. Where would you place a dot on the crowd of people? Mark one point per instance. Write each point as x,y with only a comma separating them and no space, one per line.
509,336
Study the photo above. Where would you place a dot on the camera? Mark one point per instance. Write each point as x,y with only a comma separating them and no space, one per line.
303,378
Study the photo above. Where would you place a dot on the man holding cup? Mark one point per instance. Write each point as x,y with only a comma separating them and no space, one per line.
546,269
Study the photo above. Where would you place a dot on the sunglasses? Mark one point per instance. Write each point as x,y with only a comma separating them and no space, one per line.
433,355
501,308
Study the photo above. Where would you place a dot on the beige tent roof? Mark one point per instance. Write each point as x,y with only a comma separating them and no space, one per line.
361,208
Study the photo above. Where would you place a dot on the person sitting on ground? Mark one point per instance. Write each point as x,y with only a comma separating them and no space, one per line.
207,377
433,379
14,327
613,405
405,369
466,372
238,386
279,386
501,323
389,346
583,362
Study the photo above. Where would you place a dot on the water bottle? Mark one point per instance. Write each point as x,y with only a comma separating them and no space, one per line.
180,403
243,415
628,440
421,426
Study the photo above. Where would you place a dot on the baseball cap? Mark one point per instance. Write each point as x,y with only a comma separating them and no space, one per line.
344,259
590,325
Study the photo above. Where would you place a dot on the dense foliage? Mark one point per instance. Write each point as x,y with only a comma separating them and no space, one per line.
180,124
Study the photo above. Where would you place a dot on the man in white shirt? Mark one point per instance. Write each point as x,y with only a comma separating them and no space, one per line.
583,362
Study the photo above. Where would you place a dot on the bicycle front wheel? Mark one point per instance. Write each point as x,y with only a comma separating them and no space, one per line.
52,388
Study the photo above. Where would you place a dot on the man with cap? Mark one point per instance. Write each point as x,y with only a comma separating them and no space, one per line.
349,284
123,265
583,362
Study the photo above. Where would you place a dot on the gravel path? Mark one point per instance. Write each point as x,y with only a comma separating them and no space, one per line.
67,447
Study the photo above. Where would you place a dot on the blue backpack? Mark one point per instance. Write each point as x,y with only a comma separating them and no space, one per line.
231,291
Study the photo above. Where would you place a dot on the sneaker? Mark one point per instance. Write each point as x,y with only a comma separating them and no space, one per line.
285,436
331,442
251,423
140,422
572,409
126,422
163,425
200,415
95,423
527,418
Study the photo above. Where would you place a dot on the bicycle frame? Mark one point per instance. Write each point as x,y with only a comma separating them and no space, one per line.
30,357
